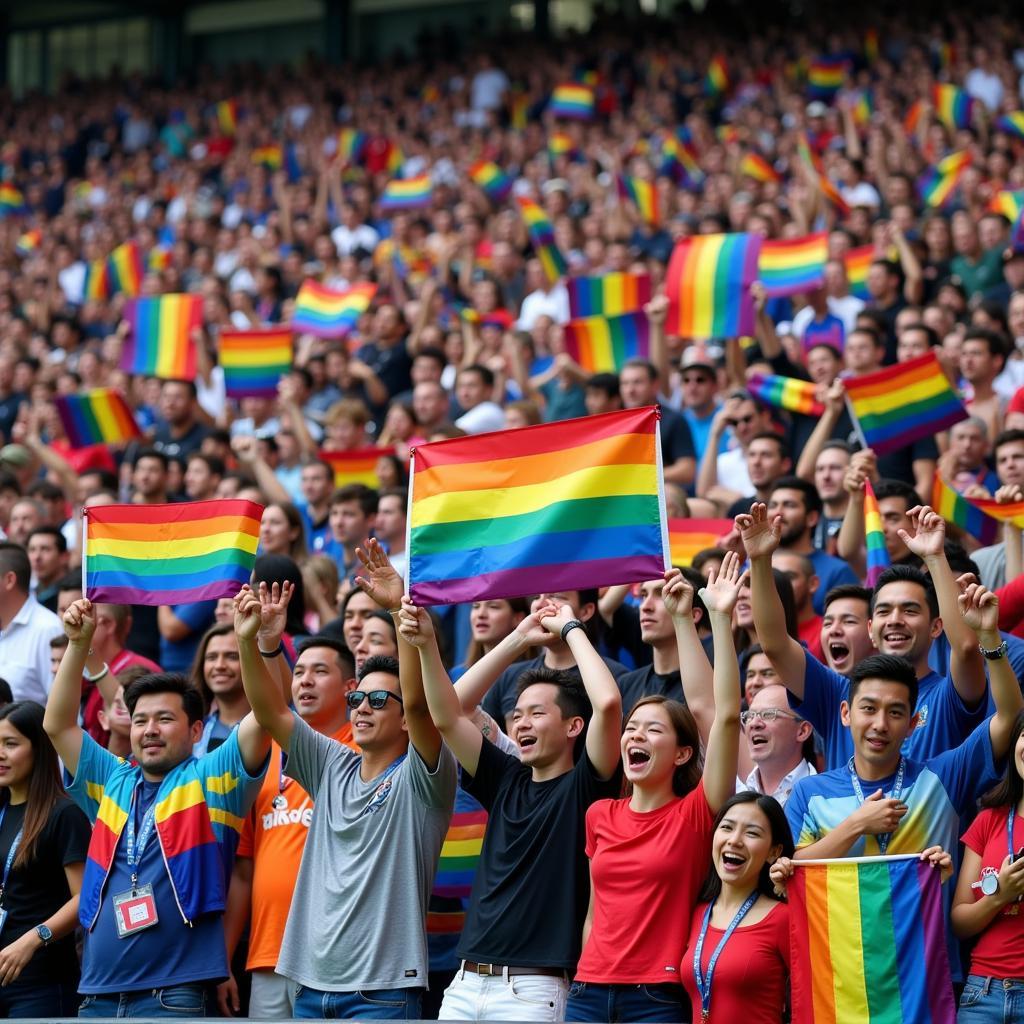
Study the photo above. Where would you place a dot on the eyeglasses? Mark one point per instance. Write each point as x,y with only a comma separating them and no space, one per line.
377,698
742,419
766,715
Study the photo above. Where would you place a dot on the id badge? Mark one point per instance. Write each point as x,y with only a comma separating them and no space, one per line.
135,911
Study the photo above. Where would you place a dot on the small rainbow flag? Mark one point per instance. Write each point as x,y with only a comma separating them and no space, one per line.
825,77
28,242
608,295
913,117
126,271
358,466
871,47
519,109
160,341
863,108
271,156
1009,204
255,361
899,404
101,416
791,265
603,344
159,258
643,194
351,144
953,106
407,194
572,101
963,512
753,165
787,393
96,286
938,185
227,116
11,199
559,506
561,144
542,235
708,286
489,177
329,314
688,537
1012,124
680,160
874,537
395,158
716,81
858,262
169,554
869,942
828,189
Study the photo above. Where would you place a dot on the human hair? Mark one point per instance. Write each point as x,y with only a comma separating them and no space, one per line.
888,667
571,698
696,580
197,676
395,492
50,531
608,383
166,682
9,482
704,556
6,696
993,341
889,488
785,591
839,444
345,659
812,499
642,364
271,569
868,332
188,385
44,785
529,409
687,775
776,439
213,463
14,558
907,574
297,550
1009,791
1006,437
350,410
485,373
781,835
847,590
366,497
930,335
379,663
70,581
151,453
959,561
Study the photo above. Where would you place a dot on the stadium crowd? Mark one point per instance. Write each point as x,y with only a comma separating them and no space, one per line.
339,830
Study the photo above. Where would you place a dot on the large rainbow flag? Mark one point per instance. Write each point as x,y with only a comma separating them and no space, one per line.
542,235
603,344
874,537
101,416
868,943
688,537
899,404
787,393
326,313
963,512
255,361
790,265
568,505
160,341
708,286
355,466
169,554
608,295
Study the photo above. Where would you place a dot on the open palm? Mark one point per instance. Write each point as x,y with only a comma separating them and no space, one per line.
379,578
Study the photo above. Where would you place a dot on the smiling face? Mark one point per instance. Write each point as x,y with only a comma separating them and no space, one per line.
383,729
319,685
161,734
879,718
779,741
650,748
221,668
902,623
378,638
492,621
742,845
845,637
276,533
16,756
543,733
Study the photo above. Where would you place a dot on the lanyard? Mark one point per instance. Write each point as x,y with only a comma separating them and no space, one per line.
1009,831
135,847
897,792
704,983
11,854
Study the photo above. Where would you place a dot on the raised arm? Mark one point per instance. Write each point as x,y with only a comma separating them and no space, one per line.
851,539
61,718
268,703
698,685
822,430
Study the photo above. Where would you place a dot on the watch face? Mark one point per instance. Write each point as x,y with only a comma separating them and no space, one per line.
990,885
44,933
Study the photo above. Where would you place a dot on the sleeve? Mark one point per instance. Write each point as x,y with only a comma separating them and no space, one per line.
70,833
95,766
976,837
433,788
491,770
197,615
679,440
924,448
801,824
968,770
594,811
229,789
824,691
246,846
309,754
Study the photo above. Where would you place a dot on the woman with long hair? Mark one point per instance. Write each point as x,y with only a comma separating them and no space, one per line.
43,842
282,532
217,675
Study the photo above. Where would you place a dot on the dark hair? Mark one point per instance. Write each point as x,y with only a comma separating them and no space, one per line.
346,661
907,574
272,569
888,488
888,667
14,558
6,696
379,663
782,836
1010,790
9,482
166,682
434,353
704,556
151,453
993,341
959,561
687,776
297,547
572,699
931,336
325,466
1005,437
770,435
70,581
812,499
485,373
50,531
785,591
696,580
606,382
643,364
214,463
197,677
831,349
868,332
475,648
847,590
365,496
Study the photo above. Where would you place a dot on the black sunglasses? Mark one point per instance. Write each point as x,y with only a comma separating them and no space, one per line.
377,698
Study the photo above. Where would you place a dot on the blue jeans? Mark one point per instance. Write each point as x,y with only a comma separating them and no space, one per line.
173,1001
378,1004
589,1001
991,1001
34,999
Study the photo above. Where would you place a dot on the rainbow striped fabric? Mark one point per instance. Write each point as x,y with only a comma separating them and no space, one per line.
603,344
643,194
28,242
227,116
568,505
255,361
858,262
542,235
491,179
561,144
11,199
868,943
1006,512
787,393
356,466
899,404
753,165
169,554
825,77
688,537
680,159
874,537
708,286
608,295
270,156
96,286
101,416
716,81
351,144
126,271
953,106
572,101
938,184
823,181
863,108
460,853
1009,204
407,193
790,265
160,341
962,512
321,311
1012,124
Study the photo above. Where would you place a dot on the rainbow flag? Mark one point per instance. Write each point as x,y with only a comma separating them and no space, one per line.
357,466
863,108
126,270
561,144
825,77
871,47
787,393
395,158
519,109
1009,204
96,417
913,117
542,235
753,165
271,156
407,194
858,262
869,942
159,258
608,295
255,361
489,177
708,286
96,286
938,184
227,116
688,537
953,106
160,340
600,344
680,160
874,537
329,314
1005,512
899,404
572,101
963,512
28,242
643,194
559,506
169,554
790,265
1012,124
11,199
351,144
716,81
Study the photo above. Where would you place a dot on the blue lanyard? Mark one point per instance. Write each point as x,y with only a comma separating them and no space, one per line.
704,983
897,792
1009,831
11,854
135,847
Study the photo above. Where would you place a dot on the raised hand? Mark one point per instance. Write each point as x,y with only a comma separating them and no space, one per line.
780,873
657,309
980,608
677,595
939,858
760,534
722,588
274,610
381,581
553,617
530,630
414,623
248,614
80,622
929,537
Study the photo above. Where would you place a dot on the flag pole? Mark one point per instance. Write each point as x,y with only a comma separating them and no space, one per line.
858,430
84,539
666,549
857,860
408,520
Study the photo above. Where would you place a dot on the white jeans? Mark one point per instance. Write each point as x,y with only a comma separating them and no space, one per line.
272,996
527,997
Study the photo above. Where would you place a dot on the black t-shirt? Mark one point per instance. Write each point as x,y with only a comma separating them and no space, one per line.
532,884
624,635
676,437
179,447
392,365
899,464
643,682
37,890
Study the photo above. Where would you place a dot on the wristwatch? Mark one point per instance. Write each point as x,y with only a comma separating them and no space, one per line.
996,653
989,885
44,933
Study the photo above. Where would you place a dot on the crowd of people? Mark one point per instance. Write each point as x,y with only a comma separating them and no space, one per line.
316,799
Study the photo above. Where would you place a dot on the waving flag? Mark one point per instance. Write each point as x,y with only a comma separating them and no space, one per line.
688,537
787,266
858,261
227,116
542,235
100,416
753,165
351,144
824,183
1009,204
604,344
825,77
716,81
126,271
327,313
938,185
608,295
254,361
96,286
680,160
953,106
407,194
355,466
787,393
11,199
974,515
643,194
160,341
874,537
491,178
572,101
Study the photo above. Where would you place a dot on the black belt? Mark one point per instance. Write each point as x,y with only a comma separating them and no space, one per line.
500,970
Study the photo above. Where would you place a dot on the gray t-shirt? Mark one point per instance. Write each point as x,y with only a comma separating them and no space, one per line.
360,901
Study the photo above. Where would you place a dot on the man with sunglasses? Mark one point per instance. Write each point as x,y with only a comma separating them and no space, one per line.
724,476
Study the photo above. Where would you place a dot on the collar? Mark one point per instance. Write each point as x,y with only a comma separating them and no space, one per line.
786,783
24,613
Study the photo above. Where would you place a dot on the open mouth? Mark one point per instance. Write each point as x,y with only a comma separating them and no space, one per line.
758,739
838,651
732,860
896,638
638,757
526,742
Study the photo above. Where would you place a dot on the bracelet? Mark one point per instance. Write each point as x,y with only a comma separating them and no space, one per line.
272,654
996,653
569,626
99,675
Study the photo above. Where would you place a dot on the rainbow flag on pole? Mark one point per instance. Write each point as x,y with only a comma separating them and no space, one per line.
568,505
542,235
407,193
96,286
753,165
329,314
101,416
938,184
787,393
688,537
708,286
858,261
1012,124
160,340
351,144
825,77
357,466
895,406
126,270
255,361
953,106
963,512
572,101
608,295
869,942
716,80
488,176
643,194
874,537
603,344
790,265
169,554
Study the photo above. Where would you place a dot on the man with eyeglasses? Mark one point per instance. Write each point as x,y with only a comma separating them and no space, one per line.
724,477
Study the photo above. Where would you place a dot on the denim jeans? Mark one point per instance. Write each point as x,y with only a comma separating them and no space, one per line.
589,1001
523,997
378,1004
34,999
991,1001
173,1001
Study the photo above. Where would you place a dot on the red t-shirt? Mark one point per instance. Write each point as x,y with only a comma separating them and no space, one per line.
999,951
647,870
749,983
810,633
